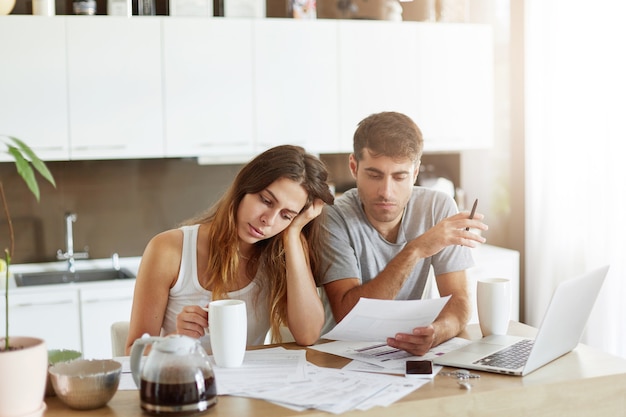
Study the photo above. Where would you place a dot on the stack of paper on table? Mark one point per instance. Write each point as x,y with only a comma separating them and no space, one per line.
283,376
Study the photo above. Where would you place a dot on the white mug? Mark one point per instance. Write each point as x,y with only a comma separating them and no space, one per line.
493,297
228,330
44,7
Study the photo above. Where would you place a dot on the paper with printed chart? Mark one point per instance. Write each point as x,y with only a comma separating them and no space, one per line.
379,357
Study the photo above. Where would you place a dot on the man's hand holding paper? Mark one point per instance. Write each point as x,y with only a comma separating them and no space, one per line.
417,342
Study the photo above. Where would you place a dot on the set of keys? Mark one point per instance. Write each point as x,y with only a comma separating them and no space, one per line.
463,376
460,374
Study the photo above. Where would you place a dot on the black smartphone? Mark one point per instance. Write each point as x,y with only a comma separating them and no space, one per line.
419,368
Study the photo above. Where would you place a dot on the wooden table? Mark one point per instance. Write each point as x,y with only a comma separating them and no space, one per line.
585,382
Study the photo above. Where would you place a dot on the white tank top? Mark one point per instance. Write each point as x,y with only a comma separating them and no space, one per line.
188,291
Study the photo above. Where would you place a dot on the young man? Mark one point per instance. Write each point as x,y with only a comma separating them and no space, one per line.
385,235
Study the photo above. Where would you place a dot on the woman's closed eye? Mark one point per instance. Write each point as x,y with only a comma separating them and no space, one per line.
287,215
266,200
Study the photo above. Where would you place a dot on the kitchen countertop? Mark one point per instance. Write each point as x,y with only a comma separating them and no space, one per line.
129,263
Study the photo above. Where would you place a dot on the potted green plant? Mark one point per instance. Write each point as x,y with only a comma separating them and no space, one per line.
23,360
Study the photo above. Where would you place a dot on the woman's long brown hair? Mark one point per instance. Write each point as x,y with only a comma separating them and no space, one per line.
286,161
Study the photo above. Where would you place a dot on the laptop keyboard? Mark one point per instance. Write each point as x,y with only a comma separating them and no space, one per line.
511,357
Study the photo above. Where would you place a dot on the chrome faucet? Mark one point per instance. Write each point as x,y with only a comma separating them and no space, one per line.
69,253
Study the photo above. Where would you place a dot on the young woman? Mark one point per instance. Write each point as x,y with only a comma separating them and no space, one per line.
258,243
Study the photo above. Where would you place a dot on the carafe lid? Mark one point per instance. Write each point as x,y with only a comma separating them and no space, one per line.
177,344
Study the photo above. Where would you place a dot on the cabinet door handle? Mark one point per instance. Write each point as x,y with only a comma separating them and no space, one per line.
219,145
270,144
51,303
98,147
48,148
106,300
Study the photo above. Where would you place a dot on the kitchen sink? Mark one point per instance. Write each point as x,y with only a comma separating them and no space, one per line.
64,277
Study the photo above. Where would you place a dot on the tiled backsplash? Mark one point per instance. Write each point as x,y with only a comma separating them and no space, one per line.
121,204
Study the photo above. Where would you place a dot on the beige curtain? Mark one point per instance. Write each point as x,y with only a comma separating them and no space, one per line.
575,159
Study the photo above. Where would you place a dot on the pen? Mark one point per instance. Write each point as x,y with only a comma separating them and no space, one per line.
472,213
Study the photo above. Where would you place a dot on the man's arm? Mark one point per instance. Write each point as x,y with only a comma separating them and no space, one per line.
456,313
343,294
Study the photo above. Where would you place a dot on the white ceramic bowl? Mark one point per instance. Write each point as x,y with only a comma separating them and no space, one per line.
85,384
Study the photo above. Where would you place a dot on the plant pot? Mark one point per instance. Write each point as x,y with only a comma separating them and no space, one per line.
23,377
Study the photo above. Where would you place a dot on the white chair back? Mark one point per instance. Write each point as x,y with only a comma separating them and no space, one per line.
119,333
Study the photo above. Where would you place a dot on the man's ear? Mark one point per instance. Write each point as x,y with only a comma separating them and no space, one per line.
354,164
416,172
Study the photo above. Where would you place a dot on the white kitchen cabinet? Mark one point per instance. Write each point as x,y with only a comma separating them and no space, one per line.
108,87
378,71
296,83
33,84
441,75
208,75
51,314
101,306
71,316
114,87
456,87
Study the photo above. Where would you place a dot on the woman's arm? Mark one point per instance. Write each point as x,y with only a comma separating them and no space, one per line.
305,312
158,272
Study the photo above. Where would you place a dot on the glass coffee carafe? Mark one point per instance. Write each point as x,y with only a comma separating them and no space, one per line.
176,376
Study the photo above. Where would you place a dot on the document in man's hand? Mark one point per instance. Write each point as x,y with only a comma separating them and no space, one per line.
375,320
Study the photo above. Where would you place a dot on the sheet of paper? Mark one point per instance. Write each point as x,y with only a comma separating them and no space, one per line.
337,391
399,388
260,367
379,354
359,366
126,379
376,320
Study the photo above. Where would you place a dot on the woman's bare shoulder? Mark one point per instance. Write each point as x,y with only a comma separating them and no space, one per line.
164,250
167,239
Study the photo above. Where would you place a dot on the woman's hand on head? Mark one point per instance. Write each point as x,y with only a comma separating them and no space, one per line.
192,321
309,214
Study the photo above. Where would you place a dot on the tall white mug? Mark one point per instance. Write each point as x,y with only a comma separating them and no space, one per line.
228,330
43,7
493,297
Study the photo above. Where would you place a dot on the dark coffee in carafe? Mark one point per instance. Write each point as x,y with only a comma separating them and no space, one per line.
180,398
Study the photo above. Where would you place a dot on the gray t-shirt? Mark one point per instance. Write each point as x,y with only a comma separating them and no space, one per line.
353,247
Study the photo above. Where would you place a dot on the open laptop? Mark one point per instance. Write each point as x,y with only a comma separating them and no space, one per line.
559,333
